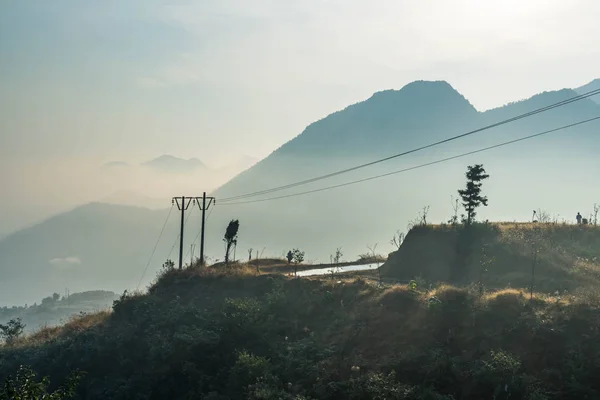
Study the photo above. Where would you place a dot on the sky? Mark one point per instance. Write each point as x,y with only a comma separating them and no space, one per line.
85,83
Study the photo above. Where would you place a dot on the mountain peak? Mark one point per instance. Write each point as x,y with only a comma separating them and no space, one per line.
428,85
422,94
171,163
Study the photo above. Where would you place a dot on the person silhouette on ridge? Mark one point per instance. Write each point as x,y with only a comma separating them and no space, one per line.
578,217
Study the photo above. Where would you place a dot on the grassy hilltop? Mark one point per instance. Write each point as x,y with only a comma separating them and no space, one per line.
233,334
563,257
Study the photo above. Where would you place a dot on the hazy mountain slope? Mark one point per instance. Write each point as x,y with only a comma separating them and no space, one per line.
168,163
414,115
555,173
593,85
524,176
131,198
550,119
394,121
84,249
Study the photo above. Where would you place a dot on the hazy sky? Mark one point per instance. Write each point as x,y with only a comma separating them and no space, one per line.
85,82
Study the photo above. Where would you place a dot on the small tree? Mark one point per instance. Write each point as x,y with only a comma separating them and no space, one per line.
594,218
397,239
421,219
168,266
250,250
290,256
455,206
338,255
230,237
471,195
12,330
25,386
541,216
297,257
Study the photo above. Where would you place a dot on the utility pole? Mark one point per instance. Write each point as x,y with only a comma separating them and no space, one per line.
183,203
203,208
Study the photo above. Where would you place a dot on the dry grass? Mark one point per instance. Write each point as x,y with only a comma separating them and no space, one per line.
76,324
568,255
377,328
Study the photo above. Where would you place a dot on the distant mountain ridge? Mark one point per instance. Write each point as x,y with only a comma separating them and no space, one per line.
168,163
114,242
129,198
419,113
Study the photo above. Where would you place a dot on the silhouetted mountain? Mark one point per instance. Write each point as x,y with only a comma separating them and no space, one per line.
168,163
593,85
129,198
100,246
386,119
393,121
95,246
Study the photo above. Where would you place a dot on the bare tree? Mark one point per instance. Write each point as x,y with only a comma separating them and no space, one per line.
250,250
397,239
455,206
338,255
421,219
541,216
424,215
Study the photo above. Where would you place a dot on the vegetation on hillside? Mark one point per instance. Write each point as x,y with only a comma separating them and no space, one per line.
56,309
217,334
230,331
556,256
25,386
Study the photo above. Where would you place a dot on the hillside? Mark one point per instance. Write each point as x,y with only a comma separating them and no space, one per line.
111,240
208,335
568,256
56,310
419,113
84,249
593,85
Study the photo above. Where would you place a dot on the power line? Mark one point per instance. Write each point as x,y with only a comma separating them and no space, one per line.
155,246
418,166
343,171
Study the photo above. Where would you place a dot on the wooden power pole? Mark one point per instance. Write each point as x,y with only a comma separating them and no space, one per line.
203,208
183,203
